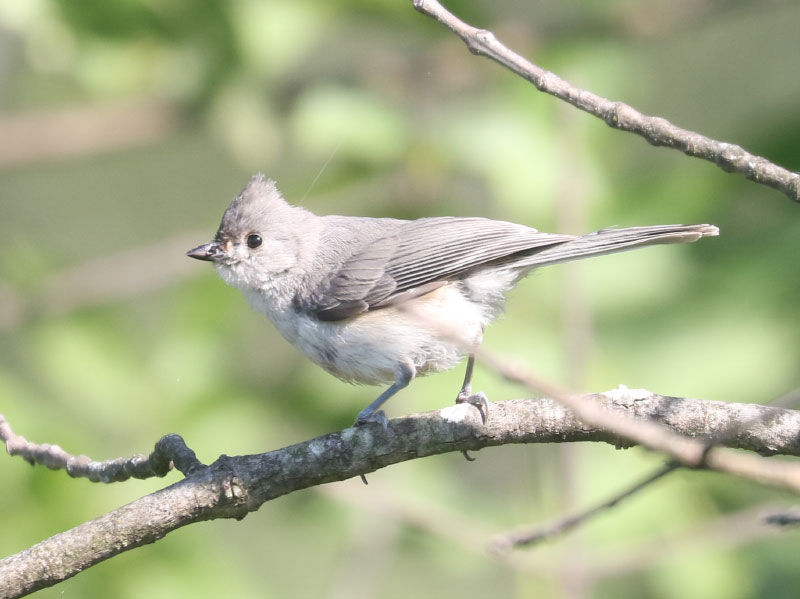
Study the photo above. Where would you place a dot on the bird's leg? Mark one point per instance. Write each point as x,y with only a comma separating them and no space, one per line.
371,413
479,399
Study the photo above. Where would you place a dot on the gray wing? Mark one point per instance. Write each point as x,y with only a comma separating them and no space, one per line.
416,257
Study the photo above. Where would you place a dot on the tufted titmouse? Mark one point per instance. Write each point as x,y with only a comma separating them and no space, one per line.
365,297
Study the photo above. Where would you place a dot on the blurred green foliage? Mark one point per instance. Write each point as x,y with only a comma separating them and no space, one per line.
370,108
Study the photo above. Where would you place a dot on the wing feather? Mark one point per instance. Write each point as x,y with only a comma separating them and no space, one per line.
412,258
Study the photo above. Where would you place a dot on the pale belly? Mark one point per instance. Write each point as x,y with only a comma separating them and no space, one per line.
433,333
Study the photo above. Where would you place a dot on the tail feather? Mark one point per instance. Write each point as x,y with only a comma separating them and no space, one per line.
610,241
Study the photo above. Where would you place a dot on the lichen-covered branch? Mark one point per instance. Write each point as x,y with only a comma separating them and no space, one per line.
234,486
169,451
657,131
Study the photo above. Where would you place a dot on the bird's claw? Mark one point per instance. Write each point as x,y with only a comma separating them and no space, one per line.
378,417
479,400
467,457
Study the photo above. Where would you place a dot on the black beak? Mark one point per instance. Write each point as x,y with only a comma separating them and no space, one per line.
210,252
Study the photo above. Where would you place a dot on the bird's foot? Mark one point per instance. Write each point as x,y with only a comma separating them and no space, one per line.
467,457
479,400
367,417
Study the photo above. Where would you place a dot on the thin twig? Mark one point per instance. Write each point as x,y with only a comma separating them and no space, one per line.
729,530
169,450
783,518
721,437
657,131
524,538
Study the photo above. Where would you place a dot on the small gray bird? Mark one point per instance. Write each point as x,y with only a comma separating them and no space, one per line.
380,300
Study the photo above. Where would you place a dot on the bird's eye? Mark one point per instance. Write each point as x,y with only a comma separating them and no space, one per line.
254,240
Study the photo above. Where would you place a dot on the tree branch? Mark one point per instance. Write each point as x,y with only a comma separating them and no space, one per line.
657,131
42,135
170,451
784,518
532,536
111,277
234,486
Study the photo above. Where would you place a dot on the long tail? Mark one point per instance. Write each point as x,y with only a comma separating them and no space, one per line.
609,241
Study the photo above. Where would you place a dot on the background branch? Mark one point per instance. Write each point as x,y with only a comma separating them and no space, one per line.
532,536
657,131
232,487
111,277
43,135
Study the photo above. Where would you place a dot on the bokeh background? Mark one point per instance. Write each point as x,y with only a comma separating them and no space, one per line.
127,126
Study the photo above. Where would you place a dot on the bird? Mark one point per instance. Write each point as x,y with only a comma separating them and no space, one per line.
380,301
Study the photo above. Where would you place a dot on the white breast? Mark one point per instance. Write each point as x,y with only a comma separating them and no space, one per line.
432,332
